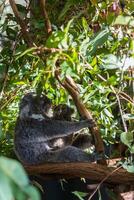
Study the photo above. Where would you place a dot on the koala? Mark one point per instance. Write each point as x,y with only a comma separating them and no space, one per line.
62,112
35,129
79,139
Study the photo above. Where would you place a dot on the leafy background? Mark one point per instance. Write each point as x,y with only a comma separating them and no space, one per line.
92,41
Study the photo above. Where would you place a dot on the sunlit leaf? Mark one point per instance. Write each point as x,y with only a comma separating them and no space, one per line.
5,189
127,138
129,168
124,20
14,183
80,195
128,116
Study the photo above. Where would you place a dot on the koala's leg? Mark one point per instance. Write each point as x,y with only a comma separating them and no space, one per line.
68,154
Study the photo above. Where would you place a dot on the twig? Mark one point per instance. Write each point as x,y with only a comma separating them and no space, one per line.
121,112
23,26
45,14
14,44
97,188
10,98
41,49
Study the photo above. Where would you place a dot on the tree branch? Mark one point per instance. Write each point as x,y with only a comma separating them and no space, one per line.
45,14
23,26
92,171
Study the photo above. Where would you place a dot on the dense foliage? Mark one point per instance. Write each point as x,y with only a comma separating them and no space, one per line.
92,41
14,183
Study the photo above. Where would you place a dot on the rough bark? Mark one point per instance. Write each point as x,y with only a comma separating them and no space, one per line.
92,171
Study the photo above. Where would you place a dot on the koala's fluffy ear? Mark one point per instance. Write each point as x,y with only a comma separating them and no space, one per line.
33,104
24,106
26,99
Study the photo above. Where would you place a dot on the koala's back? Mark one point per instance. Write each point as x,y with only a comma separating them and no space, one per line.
29,143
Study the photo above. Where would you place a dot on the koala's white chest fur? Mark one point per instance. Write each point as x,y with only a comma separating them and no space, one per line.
59,143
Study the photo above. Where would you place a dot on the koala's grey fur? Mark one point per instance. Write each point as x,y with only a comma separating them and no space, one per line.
34,130
79,139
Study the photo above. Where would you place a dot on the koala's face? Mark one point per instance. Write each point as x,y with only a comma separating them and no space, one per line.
33,104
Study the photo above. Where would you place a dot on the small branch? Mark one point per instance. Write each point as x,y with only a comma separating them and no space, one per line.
121,112
14,44
23,26
8,99
45,14
126,97
41,49
103,180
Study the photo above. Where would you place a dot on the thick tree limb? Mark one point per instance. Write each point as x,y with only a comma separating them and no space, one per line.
92,171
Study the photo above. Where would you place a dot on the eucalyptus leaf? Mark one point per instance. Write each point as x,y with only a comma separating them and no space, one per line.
111,61
132,149
128,116
129,168
127,138
108,113
16,171
0,128
67,6
14,183
55,39
98,40
30,50
80,195
32,192
5,189
124,20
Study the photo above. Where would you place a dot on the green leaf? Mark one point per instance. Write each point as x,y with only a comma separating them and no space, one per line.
85,24
112,80
55,39
129,168
128,116
124,20
127,138
14,183
32,192
107,112
26,52
111,61
19,83
65,39
16,171
98,40
5,189
67,6
132,149
84,46
80,195
0,128
51,62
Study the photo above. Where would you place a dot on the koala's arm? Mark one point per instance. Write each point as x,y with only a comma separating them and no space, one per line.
56,128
